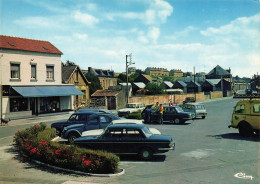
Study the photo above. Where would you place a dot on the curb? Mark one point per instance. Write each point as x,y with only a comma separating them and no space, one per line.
122,171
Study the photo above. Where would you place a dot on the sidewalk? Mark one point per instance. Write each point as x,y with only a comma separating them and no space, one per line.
41,118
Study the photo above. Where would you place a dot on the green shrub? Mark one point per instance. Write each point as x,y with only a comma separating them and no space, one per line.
35,142
135,115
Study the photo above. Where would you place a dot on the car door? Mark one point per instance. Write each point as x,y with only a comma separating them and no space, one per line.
167,113
92,122
104,121
77,119
239,113
111,140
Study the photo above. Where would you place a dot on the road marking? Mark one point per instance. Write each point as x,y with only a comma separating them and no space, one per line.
241,175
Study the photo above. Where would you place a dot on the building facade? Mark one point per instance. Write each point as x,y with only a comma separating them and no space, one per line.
157,71
30,78
106,77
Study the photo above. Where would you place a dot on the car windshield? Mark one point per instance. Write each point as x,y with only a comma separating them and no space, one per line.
200,107
147,132
178,109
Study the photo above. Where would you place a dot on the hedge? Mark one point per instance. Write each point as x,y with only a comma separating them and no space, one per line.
35,142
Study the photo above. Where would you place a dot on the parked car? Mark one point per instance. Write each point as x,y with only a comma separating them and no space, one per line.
198,109
130,108
75,118
128,139
73,131
189,99
120,121
170,114
93,122
245,117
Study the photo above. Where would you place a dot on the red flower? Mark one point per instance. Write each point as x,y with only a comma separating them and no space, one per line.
83,158
87,162
33,150
43,143
18,131
35,126
57,152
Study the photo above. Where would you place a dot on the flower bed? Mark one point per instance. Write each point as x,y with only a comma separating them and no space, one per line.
35,142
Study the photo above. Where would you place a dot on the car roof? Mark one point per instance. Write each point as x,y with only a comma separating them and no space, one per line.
87,112
129,121
126,126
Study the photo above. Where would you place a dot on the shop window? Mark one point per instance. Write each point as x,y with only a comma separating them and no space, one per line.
15,71
50,72
18,104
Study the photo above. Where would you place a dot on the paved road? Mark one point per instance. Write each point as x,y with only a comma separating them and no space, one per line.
206,152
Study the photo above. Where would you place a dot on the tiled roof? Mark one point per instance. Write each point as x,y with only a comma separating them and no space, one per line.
106,92
24,44
218,71
67,71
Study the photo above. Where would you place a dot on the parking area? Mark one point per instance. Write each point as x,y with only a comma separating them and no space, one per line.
207,151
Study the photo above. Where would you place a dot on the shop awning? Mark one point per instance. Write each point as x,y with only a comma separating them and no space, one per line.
45,91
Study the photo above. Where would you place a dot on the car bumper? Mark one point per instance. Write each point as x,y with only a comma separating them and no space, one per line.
167,149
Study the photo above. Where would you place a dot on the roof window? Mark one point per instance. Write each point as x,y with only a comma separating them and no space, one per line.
11,44
45,48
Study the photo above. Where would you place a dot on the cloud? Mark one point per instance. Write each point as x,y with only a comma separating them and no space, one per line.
154,34
85,18
38,22
80,36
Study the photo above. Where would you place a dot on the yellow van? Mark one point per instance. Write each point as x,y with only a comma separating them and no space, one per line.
246,117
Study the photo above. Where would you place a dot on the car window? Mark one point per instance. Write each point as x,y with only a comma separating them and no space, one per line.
77,117
200,107
256,108
131,133
114,133
93,120
104,119
240,109
178,109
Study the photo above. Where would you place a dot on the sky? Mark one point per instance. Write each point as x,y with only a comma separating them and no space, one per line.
172,34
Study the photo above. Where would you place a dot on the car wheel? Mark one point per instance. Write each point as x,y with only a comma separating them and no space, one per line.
245,129
203,117
71,137
177,121
146,154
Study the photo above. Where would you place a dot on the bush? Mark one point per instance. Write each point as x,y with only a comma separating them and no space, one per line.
135,115
35,142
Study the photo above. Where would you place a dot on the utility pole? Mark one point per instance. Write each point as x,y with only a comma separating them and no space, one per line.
194,83
127,64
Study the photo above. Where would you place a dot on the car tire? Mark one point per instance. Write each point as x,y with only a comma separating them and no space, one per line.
71,137
177,121
146,154
203,117
245,129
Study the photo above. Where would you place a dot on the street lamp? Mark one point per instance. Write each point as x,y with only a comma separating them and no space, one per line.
127,64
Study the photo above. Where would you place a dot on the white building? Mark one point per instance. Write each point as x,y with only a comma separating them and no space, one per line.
31,78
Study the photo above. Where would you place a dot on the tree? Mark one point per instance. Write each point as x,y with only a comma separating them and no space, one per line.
122,77
95,83
154,88
69,63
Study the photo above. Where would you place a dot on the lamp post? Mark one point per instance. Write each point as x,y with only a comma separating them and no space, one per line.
127,64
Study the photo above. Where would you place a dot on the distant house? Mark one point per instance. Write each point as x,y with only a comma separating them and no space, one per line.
106,77
109,99
167,85
193,87
219,73
73,75
138,87
176,73
180,85
210,85
157,71
143,78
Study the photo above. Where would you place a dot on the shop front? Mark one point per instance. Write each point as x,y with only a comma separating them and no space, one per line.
25,101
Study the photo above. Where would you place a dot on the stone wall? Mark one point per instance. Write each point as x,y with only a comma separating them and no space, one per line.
177,98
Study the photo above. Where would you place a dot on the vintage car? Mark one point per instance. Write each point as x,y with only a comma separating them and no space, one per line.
94,119
130,108
74,131
128,139
189,99
170,114
196,108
